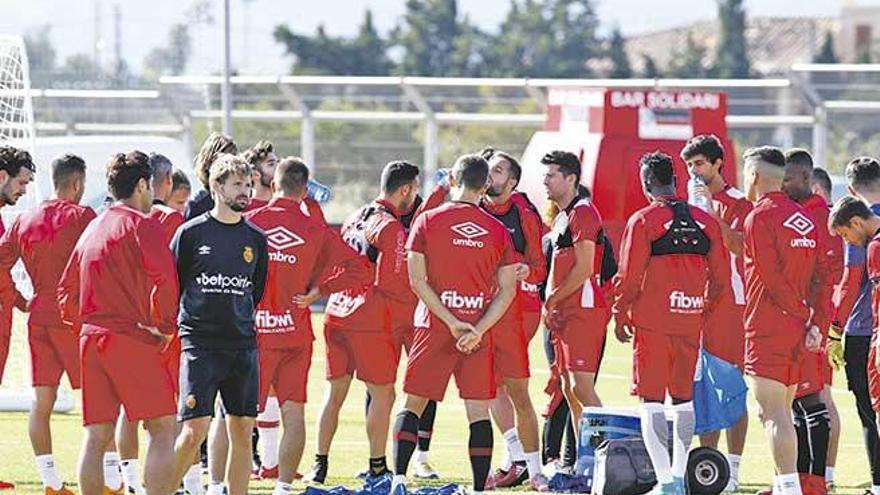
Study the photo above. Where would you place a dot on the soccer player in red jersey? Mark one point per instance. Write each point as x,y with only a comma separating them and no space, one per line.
359,327
301,248
180,190
814,390
670,251
455,315
170,219
119,291
16,172
44,238
512,408
575,308
723,332
783,263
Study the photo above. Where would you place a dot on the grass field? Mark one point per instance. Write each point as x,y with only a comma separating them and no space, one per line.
448,450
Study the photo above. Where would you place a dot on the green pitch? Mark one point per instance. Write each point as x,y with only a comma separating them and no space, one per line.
449,446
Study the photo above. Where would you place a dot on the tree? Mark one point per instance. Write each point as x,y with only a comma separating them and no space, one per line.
617,53
173,58
649,67
79,68
689,64
864,57
731,53
41,55
428,37
370,49
826,53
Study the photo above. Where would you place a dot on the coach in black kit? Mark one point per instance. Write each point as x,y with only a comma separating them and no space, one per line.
221,263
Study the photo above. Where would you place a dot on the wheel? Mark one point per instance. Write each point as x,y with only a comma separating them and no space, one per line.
707,472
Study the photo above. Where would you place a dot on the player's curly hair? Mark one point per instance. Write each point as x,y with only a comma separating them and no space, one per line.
256,154
660,165
125,170
707,145
226,165
214,145
12,160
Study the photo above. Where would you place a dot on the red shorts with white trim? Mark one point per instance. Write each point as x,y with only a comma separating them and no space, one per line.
287,370
812,375
873,375
727,343
581,339
434,359
664,363
402,339
54,351
369,355
118,370
768,357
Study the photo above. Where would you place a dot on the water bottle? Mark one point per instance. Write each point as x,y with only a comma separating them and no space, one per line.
441,177
319,192
699,200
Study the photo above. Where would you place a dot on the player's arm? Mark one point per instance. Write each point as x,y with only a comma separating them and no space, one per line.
534,255
635,252
718,264
347,269
759,236
418,281
68,291
159,267
824,279
9,256
181,249
848,292
391,272
584,252
261,270
436,198
506,277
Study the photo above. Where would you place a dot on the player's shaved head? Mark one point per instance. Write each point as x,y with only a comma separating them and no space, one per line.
768,160
798,174
291,177
66,169
863,175
471,172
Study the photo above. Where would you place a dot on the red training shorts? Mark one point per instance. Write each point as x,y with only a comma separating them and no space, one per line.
664,363
119,370
812,374
287,370
726,344
510,346
371,355
581,339
873,375
54,351
172,362
770,358
434,358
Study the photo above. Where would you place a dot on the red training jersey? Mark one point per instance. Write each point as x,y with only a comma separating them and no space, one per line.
376,233
169,218
782,263
579,221
463,247
873,270
668,294
121,273
832,250
43,239
301,249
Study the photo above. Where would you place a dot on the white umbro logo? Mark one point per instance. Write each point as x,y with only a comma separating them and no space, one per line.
799,223
469,230
280,238
204,249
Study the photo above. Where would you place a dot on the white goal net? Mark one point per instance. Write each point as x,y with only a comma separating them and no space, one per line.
17,129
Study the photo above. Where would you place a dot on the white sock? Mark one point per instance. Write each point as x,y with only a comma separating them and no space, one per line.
215,488
682,434
192,480
829,474
789,484
533,463
422,456
131,476
654,434
733,460
112,475
875,489
48,473
514,451
268,423
282,488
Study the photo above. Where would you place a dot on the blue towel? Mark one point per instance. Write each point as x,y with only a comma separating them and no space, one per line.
567,483
381,486
719,394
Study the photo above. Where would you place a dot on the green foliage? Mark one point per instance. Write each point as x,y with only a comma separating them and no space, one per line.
621,68
826,53
649,67
731,53
172,58
689,63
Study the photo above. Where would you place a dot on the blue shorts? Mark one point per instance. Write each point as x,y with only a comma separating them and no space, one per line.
719,394
234,373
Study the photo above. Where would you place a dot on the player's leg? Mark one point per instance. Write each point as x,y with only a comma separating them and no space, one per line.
159,460
774,400
527,427
585,389
91,458
328,421
710,439
293,442
269,427
812,429
652,375
685,352
479,442
736,444
192,433
218,448
833,435
405,438
856,350
422,467
504,418
238,470
127,442
378,424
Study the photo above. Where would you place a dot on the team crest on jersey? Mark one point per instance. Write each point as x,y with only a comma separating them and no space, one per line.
248,254
470,231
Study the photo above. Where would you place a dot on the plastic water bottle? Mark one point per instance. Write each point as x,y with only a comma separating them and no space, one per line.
441,177
319,192
699,200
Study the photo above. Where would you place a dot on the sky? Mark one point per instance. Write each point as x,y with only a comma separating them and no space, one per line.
144,24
